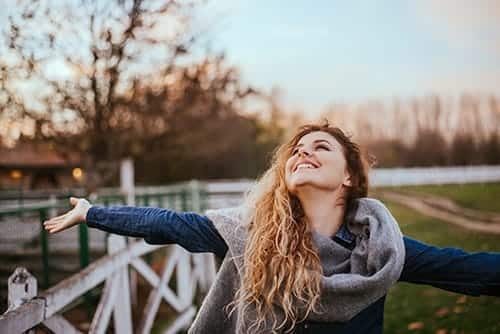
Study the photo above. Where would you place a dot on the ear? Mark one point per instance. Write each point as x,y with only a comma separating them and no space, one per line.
347,181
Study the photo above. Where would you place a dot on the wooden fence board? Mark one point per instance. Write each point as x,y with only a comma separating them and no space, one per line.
58,324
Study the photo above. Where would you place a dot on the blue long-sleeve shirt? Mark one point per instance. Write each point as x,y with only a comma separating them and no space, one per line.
450,269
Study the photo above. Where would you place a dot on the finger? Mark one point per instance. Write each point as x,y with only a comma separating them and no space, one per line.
49,228
52,231
54,228
56,219
58,228
52,224
73,200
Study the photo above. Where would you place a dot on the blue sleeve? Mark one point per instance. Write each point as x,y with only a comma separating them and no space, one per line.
194,232
452,269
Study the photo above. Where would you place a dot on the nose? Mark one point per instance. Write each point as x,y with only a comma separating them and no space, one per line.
304,152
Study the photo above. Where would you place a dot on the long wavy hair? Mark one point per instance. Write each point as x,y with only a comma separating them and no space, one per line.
282,267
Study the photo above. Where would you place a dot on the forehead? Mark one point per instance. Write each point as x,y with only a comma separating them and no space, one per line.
317,135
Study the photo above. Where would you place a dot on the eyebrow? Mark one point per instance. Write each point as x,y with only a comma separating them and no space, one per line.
314,142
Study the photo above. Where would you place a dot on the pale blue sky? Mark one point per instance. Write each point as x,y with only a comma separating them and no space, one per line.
324,51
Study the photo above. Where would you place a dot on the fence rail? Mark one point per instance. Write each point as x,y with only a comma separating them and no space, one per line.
189,196
28,309
434,175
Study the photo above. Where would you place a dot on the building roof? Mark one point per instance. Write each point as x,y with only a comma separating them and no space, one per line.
36,155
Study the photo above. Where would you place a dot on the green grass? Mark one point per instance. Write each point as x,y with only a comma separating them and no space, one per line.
408,303
480,196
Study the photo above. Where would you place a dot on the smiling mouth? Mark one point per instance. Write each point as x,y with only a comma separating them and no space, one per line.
304,166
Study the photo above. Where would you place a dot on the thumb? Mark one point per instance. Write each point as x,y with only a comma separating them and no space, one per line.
73,200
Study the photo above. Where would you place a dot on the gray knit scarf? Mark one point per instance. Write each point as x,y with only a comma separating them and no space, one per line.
352,279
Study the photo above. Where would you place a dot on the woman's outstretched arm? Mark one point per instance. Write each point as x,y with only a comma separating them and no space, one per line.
192,231
452,269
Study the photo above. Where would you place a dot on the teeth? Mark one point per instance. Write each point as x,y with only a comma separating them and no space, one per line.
305,166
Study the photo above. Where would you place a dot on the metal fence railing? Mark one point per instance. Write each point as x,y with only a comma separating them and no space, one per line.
189,196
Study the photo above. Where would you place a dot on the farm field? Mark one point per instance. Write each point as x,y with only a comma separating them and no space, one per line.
479,196
423,309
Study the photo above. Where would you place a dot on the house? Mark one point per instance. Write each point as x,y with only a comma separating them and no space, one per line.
37,165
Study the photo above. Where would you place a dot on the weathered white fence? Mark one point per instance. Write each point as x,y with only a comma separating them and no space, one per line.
224,193
28,309
434,175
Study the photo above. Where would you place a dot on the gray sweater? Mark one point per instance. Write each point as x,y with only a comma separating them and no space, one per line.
352,279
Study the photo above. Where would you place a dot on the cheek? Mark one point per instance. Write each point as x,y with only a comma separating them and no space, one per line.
335,168
288,165
288,172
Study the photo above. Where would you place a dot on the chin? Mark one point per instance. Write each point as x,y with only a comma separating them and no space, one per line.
294,186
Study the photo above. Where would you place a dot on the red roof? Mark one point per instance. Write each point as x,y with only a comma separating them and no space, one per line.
36,155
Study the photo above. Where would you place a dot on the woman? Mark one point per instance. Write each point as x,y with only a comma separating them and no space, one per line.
308,253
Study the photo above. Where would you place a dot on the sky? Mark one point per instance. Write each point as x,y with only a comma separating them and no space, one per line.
350,51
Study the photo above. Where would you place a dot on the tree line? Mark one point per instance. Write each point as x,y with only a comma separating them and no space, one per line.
114,79
426,131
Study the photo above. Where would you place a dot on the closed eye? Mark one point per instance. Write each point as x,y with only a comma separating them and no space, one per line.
323,147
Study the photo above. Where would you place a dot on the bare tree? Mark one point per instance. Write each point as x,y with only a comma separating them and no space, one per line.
109,77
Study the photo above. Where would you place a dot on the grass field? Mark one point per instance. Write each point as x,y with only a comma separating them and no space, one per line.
480,196
434,310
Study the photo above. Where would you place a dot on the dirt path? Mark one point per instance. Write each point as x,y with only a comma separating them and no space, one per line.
441,208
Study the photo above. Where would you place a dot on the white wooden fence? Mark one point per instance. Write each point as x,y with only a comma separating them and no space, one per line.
434,175
28,309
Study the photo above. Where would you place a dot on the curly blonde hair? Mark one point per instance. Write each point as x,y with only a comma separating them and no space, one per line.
282,267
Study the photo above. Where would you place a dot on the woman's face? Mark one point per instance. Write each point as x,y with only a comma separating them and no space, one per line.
318,161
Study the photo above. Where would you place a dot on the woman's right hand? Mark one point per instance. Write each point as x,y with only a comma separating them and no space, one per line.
71,218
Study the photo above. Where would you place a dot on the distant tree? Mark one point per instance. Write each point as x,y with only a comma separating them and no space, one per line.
111,78
429,149
463,150
490,149
389,152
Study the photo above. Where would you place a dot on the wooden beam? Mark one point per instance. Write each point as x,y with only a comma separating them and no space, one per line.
154,297
153,279
71,288
58,324
122,312
182,321
24,317
102,314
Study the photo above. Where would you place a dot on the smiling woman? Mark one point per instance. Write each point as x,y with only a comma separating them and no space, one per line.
308,252
318,161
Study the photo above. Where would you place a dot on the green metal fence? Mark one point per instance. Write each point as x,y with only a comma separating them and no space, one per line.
190,196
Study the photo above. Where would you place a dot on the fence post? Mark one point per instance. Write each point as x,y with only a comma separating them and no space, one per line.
22,286
83,237
184,205
127,185
53,206
204,263
145,200
159,201
195,196
127,180
45,247
122,314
